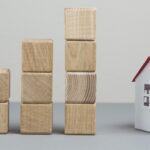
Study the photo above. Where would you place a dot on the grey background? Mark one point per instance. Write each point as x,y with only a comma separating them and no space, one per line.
115,131
123,33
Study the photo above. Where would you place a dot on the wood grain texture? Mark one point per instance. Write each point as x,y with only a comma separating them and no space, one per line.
80,56
80,23
36,118
37,55
4,115
80,88
80,118
4,85
36,88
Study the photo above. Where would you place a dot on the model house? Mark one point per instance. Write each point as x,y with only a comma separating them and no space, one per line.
142,97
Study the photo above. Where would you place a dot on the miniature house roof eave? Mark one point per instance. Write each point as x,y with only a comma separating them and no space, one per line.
141,69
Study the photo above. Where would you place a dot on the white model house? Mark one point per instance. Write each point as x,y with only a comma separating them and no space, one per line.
142,97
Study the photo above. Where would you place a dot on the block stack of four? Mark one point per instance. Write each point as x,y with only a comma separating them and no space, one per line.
80,66
36,93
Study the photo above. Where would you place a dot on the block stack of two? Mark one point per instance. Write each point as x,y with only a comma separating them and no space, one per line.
36,93
4,99
80,65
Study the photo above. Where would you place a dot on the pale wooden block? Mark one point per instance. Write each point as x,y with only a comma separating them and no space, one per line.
4,85
36,88
80,56
36,118
80,23
4,116
80,118
37,55
80,88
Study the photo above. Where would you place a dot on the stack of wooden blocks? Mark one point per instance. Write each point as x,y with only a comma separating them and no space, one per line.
80,66
36,93
4,99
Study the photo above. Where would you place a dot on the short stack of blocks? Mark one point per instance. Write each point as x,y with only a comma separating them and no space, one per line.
80,66
36,92
4,99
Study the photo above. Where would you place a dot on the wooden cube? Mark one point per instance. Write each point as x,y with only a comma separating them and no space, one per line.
80,88
37,55
4,116
4,85
36,88
80,118
80,23
80,56
36,118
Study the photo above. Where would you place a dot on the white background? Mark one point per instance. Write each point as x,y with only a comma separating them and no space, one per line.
123,41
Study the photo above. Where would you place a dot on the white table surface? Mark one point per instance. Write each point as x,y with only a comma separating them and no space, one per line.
115,131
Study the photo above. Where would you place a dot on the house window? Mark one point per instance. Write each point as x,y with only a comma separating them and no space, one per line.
146,100
147,88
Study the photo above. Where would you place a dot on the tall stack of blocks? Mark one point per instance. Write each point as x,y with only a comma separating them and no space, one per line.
4,99
80,66
36,92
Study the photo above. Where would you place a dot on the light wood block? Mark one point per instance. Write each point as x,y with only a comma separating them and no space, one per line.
4,85
36,118
37,55
80,118
80,88
36,88
4,115
80,56
80,23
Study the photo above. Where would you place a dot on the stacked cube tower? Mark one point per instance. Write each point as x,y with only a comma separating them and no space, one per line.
36,93
80,66
4,99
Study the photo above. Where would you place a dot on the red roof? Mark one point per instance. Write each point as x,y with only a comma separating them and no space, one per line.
141,69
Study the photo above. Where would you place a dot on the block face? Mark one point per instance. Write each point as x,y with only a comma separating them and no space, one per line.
37,55
80,88
4,85
80,118
80,56
4,115
36,118
80,23
36,88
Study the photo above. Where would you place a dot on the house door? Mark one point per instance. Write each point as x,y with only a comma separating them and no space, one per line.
146,101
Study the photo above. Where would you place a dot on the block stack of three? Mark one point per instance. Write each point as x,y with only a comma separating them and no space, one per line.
4,99
36,93
80,66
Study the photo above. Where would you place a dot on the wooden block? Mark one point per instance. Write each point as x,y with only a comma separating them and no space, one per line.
4,115
80,23
4,85
36,88
80,56
36,118
80,118
80,88
37,55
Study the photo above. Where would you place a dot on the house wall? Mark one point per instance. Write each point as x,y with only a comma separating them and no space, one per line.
142,113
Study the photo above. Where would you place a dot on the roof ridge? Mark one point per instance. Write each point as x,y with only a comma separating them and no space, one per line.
141,69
